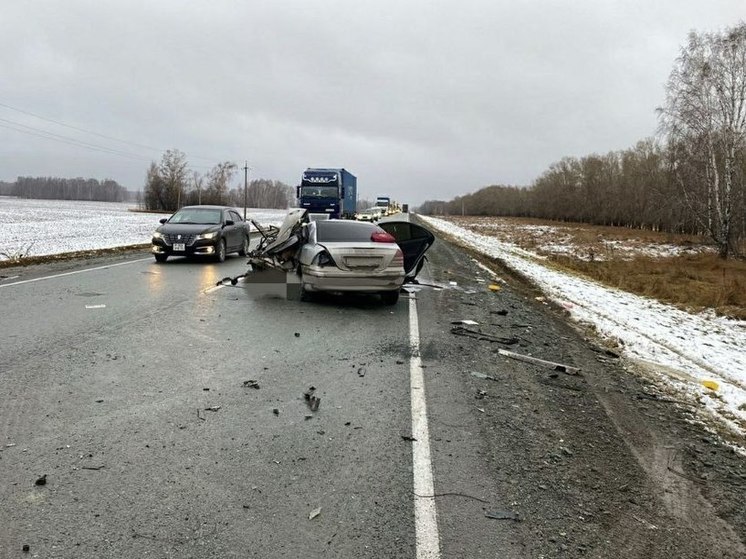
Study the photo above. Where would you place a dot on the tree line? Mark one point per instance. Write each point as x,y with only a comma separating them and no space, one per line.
170,184
56,188
690,179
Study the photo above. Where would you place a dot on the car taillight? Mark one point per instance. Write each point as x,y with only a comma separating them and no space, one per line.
323,259
382,237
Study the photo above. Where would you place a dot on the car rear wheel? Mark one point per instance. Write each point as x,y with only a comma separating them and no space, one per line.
390,297
220,251
161,257
244,248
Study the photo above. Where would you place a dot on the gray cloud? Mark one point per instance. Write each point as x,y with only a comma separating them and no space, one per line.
421,99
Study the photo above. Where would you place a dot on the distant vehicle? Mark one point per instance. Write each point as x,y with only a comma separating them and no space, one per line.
212,231
371,214
328,191
384,202
405,208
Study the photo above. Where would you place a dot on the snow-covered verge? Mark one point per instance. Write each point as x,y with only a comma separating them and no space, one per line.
43,227
688,349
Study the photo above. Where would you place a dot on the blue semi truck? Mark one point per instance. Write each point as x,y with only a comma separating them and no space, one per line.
328,191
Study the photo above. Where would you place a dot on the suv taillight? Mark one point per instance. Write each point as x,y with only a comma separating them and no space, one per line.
382,237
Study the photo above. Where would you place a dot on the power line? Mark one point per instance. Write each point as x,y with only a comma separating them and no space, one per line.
66,140
59,123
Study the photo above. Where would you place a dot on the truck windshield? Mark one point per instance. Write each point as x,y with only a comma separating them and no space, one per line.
318,191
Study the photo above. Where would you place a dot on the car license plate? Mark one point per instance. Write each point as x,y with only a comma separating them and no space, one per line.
362,262
179,247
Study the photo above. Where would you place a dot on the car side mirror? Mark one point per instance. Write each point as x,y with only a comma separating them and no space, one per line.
229,222
163,220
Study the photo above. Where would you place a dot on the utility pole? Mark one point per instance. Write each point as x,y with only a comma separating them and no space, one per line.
245,188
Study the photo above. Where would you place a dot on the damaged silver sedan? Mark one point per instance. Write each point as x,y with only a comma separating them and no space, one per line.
344,256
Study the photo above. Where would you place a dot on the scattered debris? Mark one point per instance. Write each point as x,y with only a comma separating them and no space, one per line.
205,389
361,372
453,283
312,400
711,384
199,415
647,524
493,287
100,400
481,394
409,438
501,312
92,467
467,322
42,480
276,411
399,362
10,445
26,548
251,384
297,334
477,374
314,513
95,306
503,515
213,408
536,361
461,331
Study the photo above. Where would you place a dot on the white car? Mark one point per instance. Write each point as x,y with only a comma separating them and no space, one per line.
371,214
340,255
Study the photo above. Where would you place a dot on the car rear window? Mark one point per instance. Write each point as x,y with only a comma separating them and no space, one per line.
335,230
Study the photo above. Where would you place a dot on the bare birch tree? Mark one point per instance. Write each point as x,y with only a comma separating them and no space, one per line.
705,121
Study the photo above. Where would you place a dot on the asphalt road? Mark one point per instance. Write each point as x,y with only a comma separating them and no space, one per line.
122,381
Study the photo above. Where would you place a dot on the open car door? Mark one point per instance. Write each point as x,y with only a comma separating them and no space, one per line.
414,241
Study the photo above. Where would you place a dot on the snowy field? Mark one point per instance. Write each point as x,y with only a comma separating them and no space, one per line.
688,349
42,227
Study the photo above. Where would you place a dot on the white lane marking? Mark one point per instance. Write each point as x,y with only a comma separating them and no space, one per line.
425,516
95,306
74,272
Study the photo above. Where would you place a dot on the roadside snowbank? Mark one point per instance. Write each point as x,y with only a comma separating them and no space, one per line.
692,347
43,227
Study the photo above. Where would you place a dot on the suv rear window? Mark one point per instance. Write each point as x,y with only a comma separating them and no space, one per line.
335,230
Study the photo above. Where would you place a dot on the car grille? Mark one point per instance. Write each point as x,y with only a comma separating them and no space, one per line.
186,239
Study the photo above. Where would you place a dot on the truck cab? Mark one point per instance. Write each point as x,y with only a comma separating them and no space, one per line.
332,192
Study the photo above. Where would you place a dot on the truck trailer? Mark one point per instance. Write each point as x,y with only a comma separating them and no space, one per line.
332,192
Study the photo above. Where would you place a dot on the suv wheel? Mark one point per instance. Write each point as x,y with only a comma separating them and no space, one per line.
220,251
244,248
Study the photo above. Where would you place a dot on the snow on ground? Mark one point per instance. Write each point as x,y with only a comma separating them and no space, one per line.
42,227
691,348
559,240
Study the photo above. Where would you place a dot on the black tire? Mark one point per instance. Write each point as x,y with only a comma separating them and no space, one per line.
244,248
390,297
161,257
220,251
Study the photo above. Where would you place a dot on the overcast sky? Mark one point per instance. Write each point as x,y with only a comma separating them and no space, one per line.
420,99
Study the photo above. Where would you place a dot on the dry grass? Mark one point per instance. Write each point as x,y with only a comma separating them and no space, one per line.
679,269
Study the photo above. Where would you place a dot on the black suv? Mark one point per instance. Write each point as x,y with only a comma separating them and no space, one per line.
201,231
